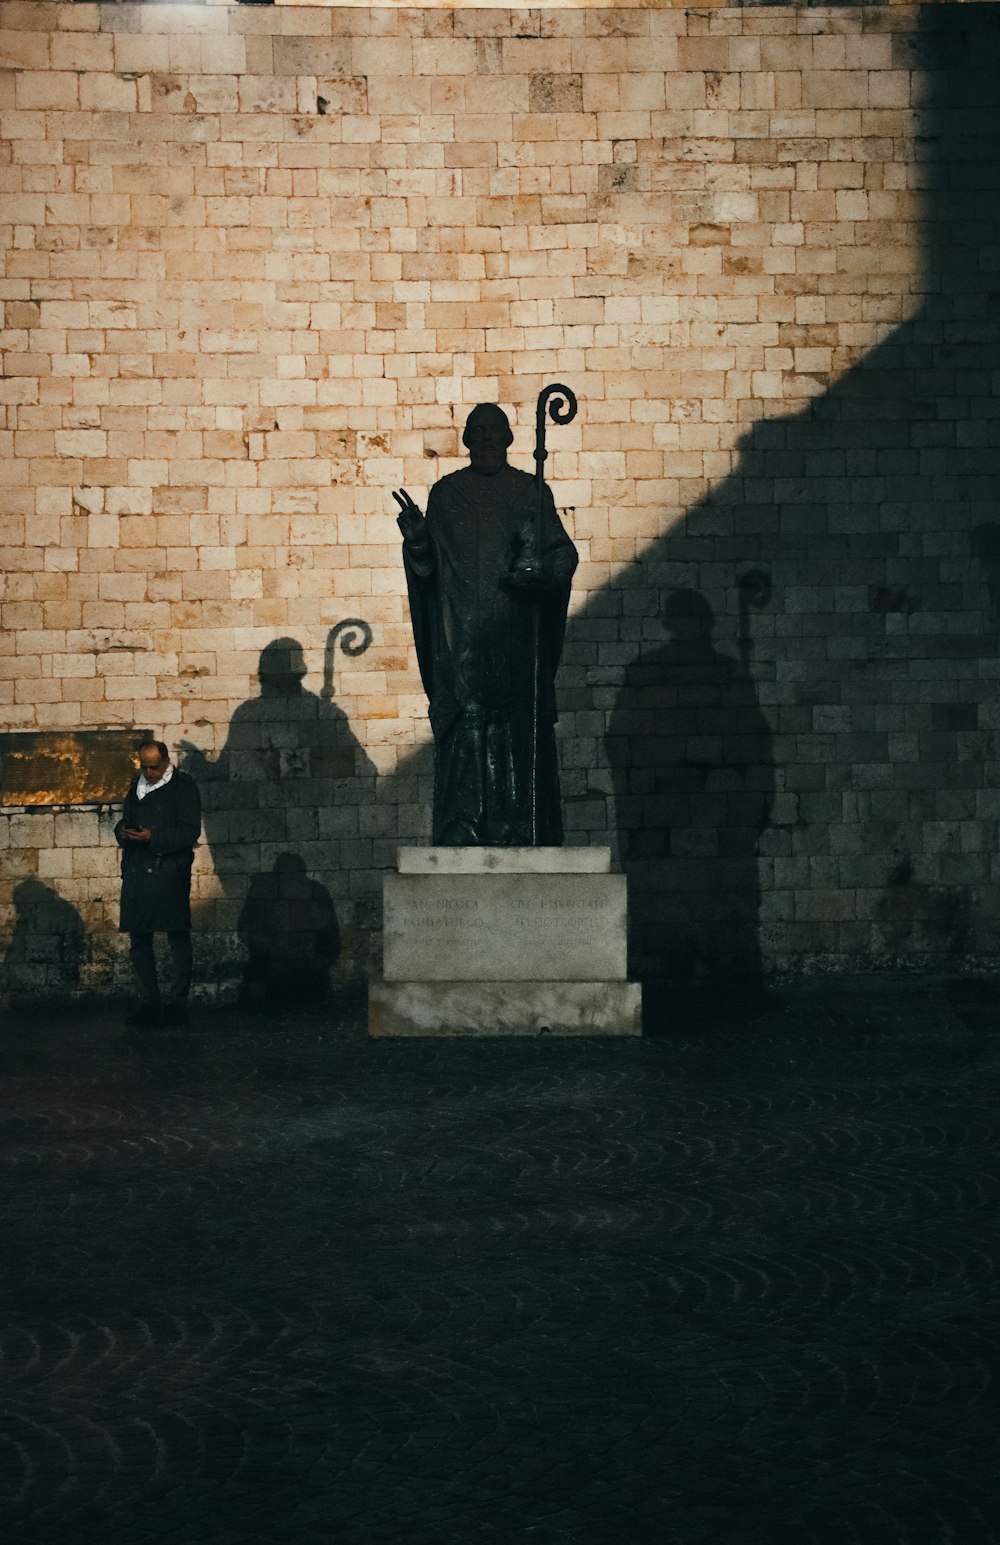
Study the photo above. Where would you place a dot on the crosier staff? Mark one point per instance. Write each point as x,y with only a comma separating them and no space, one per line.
561,404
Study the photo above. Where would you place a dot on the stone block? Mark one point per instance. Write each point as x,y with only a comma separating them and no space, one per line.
504,1008
556,93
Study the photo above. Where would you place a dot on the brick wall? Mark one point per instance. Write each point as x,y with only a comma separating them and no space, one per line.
258,264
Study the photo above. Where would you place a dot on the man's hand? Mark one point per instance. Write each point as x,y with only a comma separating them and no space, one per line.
137,833
409,520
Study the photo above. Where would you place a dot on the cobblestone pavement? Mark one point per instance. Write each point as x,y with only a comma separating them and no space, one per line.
266,1281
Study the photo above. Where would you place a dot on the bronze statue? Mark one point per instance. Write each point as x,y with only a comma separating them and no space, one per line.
488,572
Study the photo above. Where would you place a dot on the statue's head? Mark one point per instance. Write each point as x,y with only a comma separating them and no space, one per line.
689,617
487,436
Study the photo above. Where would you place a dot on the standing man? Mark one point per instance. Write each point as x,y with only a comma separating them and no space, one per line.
158,833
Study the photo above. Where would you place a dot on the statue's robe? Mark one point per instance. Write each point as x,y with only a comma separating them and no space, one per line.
475,647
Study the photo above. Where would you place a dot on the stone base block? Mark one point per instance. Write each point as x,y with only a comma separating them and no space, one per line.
504,1008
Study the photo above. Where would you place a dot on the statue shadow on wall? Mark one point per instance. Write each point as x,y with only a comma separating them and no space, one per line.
46,947
690,756
872,514
284,796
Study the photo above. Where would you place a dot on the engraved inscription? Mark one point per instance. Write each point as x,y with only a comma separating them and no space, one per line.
457,915
525,927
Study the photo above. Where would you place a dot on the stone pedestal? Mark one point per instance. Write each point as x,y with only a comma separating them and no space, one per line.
504,941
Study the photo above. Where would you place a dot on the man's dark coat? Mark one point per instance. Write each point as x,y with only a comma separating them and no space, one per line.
156,875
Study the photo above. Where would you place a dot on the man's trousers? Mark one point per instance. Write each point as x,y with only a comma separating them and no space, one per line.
144,966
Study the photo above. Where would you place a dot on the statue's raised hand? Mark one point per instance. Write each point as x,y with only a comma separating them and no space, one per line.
192,759
410,519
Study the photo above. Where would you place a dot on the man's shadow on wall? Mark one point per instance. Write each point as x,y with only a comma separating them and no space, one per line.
46,948
289,928
287,788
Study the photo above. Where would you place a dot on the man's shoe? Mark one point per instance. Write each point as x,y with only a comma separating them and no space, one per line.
145,1015
174,1014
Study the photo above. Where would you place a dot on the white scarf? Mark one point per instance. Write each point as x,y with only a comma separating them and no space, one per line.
144,787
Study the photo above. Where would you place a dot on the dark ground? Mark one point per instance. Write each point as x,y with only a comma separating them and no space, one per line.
265,1280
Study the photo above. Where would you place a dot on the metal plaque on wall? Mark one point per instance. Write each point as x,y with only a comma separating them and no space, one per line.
68,767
